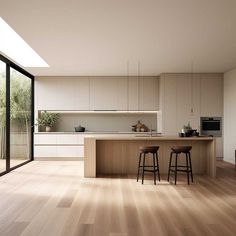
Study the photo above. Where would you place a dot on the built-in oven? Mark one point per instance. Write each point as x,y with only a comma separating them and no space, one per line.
211,126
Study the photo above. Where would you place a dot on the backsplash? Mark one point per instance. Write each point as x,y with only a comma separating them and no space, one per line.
104,122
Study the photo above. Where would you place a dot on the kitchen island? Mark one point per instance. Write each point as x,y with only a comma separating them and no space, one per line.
118,154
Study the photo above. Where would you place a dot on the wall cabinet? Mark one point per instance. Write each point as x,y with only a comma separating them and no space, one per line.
211,95
148,93
124,93
108,93
62,93
97,93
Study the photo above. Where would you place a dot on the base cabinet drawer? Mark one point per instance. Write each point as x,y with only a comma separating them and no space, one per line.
59,151
45,139
45,151
70,151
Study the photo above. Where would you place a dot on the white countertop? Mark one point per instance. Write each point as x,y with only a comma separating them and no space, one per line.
96,132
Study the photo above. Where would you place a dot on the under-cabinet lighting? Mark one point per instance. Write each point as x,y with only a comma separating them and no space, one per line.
13,46
100,112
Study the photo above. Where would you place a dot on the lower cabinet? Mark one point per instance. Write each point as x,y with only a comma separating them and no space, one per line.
58,146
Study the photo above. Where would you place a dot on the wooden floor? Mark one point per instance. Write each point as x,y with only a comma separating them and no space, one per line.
52,198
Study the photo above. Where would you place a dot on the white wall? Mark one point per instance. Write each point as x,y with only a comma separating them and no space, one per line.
229,115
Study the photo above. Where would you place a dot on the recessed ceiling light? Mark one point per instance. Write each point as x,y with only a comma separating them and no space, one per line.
13,46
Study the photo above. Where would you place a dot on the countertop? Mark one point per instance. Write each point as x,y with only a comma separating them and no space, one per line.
98,133
146,137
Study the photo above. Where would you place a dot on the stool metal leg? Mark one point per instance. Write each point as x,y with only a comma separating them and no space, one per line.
191,170
140,157
154,167
187,166
168,178
158,170
144,157
235,159
176,163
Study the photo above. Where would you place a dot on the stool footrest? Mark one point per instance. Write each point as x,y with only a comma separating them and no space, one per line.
180,170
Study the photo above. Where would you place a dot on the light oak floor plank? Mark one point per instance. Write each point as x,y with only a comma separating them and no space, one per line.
54,199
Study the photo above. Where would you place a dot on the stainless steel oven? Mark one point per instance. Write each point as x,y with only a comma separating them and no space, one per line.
211,126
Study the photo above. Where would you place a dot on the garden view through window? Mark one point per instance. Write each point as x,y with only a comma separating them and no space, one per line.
20,123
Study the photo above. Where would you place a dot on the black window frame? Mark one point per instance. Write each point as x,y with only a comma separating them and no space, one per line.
9,65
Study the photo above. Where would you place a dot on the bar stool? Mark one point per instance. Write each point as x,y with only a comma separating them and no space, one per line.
183,168
149,168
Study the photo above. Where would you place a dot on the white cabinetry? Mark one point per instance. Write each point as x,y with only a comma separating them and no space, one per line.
97,93
123,93
133,93
211,95
62,93
108,93
58,146
148,93
186,97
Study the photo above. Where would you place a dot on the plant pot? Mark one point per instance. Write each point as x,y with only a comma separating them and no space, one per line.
48,129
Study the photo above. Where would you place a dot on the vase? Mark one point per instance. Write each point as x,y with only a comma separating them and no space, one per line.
48,129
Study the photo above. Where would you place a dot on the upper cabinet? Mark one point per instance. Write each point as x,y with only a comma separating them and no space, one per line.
212,95
148,93
97,93
143,93
62,93
108,93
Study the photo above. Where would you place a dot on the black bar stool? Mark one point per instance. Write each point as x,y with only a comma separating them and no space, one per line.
149,168
175,168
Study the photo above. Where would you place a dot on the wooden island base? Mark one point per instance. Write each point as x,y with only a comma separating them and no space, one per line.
119,155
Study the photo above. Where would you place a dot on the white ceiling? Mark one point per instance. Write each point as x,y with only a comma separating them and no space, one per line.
99,37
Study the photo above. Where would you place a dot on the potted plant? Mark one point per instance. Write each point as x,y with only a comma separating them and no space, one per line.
47,120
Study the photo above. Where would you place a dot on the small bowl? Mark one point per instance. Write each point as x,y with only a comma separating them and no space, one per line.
79,129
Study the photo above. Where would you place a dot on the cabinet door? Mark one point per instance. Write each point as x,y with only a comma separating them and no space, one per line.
70,151
148,93
188,100
45,139
46,93
211,95
45,151
184,100
122,93
103,93
108,93
81,86
169,108
133,93
62,93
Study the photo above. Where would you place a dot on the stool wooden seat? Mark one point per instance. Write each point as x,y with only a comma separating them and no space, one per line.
183,149
149,149
149,168
183,168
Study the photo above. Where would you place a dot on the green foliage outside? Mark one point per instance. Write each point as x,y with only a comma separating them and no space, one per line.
20,104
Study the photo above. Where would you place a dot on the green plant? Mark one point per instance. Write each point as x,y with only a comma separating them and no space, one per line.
47,119
187,127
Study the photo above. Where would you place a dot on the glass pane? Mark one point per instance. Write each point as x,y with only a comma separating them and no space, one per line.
2,116
20,128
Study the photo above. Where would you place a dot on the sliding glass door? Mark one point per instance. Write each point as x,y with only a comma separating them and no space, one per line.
20,113
16,116
2,117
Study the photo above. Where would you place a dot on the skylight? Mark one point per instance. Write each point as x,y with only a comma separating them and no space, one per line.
13,46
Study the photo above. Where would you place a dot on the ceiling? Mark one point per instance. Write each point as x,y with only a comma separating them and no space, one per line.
111,37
